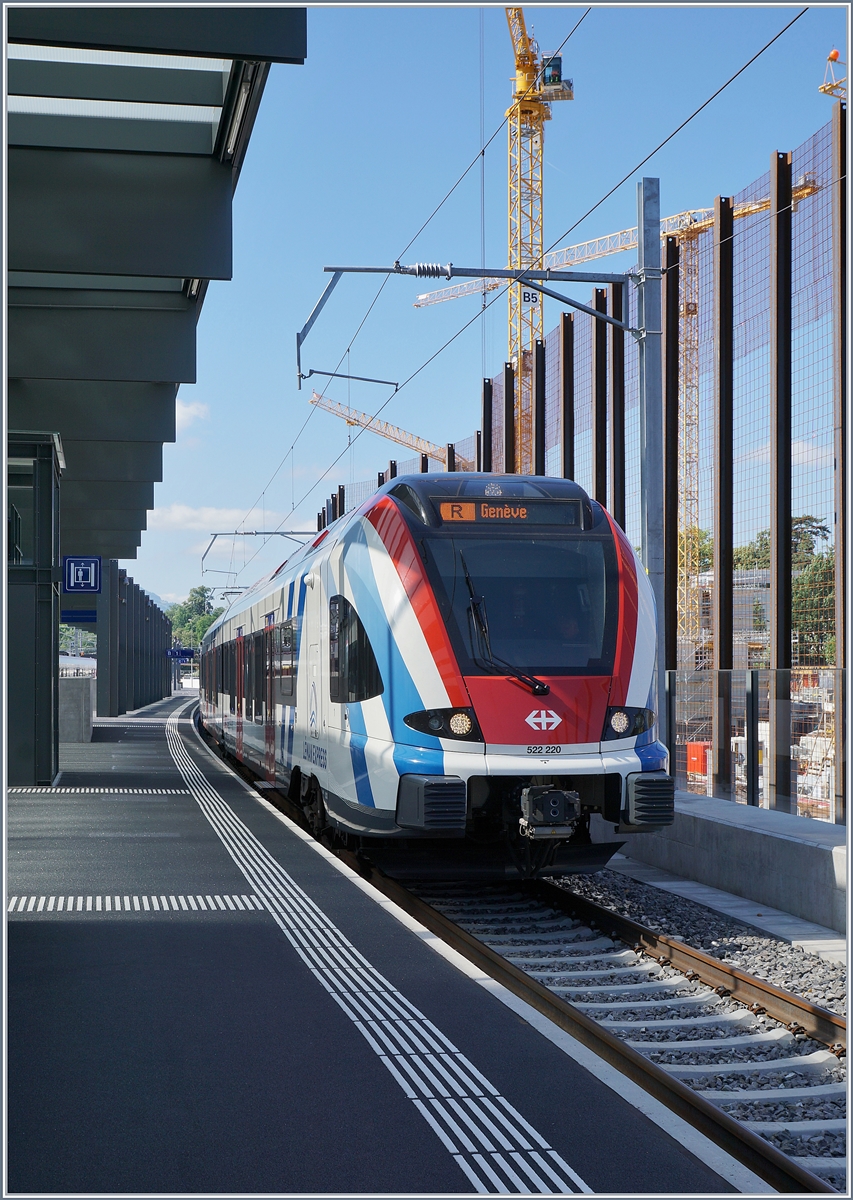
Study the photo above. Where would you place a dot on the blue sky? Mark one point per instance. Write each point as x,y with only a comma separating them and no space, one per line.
349,156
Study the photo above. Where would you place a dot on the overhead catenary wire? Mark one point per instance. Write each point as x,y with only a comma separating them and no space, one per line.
480,157
502,291
678,129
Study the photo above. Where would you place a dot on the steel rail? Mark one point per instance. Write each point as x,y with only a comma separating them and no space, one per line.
760,1156
749,1148
818,1023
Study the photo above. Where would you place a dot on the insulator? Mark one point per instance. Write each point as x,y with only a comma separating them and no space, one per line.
432,270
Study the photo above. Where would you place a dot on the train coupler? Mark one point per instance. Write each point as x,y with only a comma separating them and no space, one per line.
548,812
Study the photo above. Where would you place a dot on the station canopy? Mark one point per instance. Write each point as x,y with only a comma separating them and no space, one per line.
127,129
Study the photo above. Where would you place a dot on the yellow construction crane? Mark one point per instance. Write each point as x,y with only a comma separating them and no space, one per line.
536,83
392,432
832,86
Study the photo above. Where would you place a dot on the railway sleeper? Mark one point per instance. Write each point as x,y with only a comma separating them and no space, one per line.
798,1128
781,1036
818,1061
657,985
708,997
596,973
820,1091
821,1166
733,1018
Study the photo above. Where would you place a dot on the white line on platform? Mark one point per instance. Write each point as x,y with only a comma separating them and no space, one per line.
224,903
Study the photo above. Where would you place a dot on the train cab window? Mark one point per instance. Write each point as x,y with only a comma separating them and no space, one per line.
353,670
285,651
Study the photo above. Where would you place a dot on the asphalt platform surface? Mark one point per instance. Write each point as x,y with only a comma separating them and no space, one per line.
167,1035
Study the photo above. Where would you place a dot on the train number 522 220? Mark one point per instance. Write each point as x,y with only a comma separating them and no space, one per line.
544,749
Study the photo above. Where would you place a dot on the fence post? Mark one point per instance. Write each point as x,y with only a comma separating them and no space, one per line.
567,389
670,730
487,426
752,686
509,419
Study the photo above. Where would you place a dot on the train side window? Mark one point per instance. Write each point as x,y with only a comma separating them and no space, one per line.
353,670
285,647
260,675
249,677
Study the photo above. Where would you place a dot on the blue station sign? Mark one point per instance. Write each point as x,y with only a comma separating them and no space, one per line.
182,652
81,574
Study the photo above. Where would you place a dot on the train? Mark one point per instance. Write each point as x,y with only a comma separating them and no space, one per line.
451,680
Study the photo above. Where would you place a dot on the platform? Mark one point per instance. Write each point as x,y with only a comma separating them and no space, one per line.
795,865
201,1000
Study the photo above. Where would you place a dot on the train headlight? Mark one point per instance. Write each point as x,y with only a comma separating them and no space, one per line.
620,722
458,723
623,722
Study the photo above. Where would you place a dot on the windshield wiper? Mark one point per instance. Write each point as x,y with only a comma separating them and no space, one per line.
477,610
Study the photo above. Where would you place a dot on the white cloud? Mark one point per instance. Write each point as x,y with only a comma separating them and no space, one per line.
803,454
810,454
187,412
208,519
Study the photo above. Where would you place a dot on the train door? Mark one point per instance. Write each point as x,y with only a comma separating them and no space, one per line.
272,634
240,681
337,712
315,693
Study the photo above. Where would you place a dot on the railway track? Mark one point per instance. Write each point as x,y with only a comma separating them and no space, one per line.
756,1069
740,1059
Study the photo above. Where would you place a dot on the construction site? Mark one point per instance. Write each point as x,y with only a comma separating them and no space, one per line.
753,395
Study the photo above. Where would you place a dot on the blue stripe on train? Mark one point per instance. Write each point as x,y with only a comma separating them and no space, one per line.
357,743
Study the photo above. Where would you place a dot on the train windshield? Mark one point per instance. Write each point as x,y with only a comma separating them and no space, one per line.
549,602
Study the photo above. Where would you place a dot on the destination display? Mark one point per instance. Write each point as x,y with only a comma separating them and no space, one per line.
487,510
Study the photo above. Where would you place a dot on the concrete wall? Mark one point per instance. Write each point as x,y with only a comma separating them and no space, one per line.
792,863
76,705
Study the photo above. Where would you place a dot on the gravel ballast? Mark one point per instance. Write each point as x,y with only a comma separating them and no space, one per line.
723,937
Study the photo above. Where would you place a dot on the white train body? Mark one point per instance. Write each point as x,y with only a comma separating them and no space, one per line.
465,659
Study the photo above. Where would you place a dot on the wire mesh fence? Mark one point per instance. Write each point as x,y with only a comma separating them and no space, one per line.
570,382
712,757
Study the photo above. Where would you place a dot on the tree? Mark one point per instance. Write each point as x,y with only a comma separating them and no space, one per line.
806,531
813,611
192,618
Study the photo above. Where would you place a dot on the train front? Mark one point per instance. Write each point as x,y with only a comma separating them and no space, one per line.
542,622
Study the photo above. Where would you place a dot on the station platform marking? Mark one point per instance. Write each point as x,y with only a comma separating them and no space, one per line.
115,723
95,791
131,904
494,1146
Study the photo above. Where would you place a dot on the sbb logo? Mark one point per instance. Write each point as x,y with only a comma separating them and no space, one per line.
543,718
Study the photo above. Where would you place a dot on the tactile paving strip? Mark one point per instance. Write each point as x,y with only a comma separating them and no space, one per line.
99,791
123,904
494,1146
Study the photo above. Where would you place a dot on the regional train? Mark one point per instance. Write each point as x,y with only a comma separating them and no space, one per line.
451,679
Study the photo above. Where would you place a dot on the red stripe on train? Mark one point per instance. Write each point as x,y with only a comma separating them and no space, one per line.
626,635
388,522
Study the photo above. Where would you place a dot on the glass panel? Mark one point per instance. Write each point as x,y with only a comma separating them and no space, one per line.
20,511
544,600
353,670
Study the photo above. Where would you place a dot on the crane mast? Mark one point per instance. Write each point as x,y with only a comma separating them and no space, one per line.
536,83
